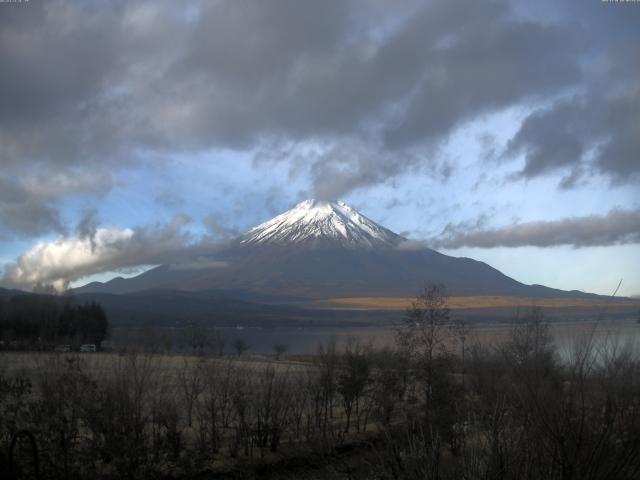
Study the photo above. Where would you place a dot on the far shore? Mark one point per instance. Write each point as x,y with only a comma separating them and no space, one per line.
479,302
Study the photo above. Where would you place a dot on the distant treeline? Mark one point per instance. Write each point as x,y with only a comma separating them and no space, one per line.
27,320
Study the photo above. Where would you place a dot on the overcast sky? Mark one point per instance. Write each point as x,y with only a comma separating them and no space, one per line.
136,132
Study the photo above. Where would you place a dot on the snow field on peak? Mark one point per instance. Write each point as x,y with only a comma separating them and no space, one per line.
318,221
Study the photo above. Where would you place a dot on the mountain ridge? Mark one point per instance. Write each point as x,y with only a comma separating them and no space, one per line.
322,249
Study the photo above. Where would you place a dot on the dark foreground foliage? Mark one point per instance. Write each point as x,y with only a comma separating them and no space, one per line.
427,409
41,322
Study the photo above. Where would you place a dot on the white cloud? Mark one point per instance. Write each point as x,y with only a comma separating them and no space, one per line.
64,259
67,258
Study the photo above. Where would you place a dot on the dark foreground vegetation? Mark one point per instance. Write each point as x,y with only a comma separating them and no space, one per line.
40,322
437,406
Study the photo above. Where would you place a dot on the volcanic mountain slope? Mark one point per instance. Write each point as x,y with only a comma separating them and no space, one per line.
324,250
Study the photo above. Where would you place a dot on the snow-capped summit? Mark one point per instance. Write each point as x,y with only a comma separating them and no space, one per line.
320,222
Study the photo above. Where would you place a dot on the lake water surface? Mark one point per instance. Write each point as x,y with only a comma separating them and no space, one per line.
305,340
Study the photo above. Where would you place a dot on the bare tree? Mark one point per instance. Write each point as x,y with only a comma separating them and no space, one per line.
215,407
426,323
218,342
327,365
460,330
390,382
424,332
355,372
280,349
191,378
272,405
197,336
240,346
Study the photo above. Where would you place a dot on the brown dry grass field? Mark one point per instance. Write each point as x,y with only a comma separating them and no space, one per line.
32,364
473,302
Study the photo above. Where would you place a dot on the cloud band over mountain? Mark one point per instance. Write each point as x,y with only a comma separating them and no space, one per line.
618,226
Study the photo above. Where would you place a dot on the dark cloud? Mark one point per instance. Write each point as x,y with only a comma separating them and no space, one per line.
569,136
121,74
29,203
477,58
218,226
596,130
351,165
28,218
89,84
22,213
88,227
58,59
616,227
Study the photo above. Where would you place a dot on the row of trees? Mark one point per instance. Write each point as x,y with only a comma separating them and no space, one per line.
196,339
511,410
44,320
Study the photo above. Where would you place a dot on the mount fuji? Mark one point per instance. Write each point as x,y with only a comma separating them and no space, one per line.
322,249
316,224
